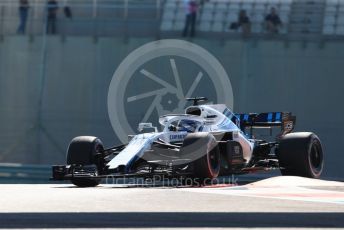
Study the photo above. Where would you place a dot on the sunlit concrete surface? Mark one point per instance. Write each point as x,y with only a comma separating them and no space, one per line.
220,206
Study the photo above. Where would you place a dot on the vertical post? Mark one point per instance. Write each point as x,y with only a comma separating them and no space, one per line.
36,5
95,9
39,11
158,19
64,28
158,9
125,15
42,79
2,22
32,14
94,20
10,11
126,2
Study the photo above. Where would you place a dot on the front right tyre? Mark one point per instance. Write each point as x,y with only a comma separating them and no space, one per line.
203,150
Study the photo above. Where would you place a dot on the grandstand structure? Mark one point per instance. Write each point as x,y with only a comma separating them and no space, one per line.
159,17
333,23
217,15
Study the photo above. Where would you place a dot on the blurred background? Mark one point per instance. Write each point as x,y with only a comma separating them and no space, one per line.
57,59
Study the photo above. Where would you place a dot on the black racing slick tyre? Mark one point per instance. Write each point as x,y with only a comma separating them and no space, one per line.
203,150
82,151
300,154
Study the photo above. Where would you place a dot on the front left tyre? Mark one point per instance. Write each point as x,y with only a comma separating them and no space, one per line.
82,151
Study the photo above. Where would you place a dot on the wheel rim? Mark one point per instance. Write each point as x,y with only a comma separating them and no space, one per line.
213,160
316,158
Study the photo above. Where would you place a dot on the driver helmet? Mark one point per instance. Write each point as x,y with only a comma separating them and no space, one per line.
189,126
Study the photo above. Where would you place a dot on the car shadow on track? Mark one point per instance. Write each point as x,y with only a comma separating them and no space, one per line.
229,181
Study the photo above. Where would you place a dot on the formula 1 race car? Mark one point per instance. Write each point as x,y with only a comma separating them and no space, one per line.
206,142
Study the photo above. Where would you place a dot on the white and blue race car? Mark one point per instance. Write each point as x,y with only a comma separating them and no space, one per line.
205,142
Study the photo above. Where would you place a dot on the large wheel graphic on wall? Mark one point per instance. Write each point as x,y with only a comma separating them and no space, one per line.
155,79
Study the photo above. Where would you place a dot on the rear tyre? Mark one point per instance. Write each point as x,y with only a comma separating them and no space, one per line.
82,151
300,154
202,148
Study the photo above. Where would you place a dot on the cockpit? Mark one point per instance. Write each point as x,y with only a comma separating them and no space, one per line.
185,125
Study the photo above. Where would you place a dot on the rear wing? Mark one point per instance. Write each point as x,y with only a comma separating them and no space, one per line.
285,120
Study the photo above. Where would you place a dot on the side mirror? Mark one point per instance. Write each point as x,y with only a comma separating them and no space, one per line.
148,127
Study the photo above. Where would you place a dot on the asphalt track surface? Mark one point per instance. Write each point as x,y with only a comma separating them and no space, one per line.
278,202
